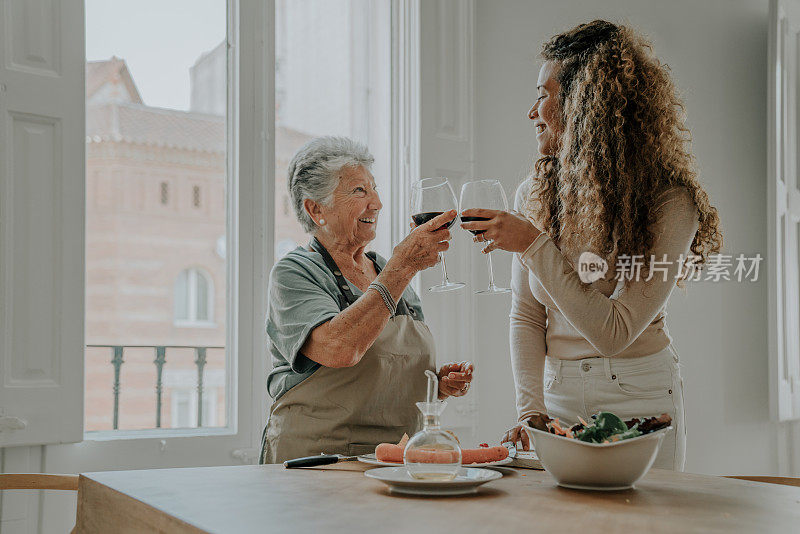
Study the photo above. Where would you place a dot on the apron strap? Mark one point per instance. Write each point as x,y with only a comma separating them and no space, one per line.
346,296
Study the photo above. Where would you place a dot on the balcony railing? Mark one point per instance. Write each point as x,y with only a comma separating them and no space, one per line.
160,352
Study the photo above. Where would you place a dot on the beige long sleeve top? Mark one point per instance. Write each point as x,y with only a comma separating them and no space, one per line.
554,314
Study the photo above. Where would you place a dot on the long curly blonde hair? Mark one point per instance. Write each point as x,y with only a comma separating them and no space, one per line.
624,142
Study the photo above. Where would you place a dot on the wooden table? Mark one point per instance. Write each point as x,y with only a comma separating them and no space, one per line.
341,499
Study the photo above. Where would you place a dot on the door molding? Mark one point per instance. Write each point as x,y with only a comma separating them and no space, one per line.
446,147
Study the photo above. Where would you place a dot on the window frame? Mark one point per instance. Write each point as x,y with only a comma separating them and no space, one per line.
250,234
249,184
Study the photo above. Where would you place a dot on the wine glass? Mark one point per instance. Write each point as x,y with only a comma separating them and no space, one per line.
431,197
486,194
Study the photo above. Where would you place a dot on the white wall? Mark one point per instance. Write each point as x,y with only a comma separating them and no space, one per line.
717,51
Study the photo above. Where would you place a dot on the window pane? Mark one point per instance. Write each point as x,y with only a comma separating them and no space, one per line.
156,183
202,298
182,297
181,409
331,78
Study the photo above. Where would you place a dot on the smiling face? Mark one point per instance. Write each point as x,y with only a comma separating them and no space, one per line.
546,111
351,218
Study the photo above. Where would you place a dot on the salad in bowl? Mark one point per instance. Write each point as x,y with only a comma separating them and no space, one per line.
606,453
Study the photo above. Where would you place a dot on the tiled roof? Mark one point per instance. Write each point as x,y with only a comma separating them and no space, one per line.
135,123
112,70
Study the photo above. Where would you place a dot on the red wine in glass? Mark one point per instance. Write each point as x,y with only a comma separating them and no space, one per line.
431,197
470,219
486,194
422,218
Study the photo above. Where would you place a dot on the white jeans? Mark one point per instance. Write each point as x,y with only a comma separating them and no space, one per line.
628,387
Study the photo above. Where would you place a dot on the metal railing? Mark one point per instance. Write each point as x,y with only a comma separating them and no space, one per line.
160,360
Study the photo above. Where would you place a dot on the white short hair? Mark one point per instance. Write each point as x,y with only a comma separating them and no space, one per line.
314,171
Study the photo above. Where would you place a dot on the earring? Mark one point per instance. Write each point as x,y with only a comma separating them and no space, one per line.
322,222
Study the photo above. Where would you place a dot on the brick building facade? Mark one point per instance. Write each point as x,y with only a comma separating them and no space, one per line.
155,252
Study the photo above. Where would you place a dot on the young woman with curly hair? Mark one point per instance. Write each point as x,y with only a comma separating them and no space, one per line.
616,179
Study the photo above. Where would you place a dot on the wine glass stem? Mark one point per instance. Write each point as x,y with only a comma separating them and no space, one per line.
445,281
491,271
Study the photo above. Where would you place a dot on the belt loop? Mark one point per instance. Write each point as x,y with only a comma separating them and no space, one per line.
607,367
558,370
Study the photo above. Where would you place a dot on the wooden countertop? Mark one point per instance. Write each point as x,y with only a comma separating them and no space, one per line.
340,498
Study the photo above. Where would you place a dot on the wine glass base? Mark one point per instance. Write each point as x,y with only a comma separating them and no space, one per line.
493,291
447,286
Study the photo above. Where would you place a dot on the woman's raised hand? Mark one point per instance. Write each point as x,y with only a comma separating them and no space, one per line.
454,379
420,249
509,231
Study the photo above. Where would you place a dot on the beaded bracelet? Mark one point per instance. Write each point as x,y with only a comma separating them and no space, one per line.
383,291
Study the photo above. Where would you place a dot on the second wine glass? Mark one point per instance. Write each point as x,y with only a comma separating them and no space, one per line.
431,197
486,194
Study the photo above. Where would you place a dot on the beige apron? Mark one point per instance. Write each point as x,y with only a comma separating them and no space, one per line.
350,410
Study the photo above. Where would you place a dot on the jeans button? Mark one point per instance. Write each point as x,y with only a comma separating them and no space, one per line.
586,367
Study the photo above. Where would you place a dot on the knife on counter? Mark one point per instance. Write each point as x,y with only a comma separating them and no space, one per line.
524,459
320,459
512,449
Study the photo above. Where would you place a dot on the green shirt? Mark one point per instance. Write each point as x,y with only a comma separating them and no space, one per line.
302,295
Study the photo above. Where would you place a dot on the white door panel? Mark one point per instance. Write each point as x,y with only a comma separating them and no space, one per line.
784,208
446,148
41,221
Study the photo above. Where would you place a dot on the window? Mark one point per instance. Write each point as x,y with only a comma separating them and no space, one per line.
194,301
196,196
155,121
347,44
164,193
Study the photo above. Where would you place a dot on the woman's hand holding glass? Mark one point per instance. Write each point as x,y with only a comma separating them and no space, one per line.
509,231
431,196
420,249
486,194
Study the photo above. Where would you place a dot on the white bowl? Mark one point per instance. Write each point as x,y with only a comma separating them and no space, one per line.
596,466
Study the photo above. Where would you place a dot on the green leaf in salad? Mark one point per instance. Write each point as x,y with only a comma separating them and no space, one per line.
605,425
628,434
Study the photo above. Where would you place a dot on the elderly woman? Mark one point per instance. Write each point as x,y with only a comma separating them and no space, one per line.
348,342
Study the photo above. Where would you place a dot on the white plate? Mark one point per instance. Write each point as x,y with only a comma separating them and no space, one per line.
370,459
399,481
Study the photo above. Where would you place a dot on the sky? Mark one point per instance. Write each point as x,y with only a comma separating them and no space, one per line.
159,40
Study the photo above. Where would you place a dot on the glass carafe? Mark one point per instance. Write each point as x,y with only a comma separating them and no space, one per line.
432,453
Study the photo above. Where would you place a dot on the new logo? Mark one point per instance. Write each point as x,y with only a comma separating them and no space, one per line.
591,267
